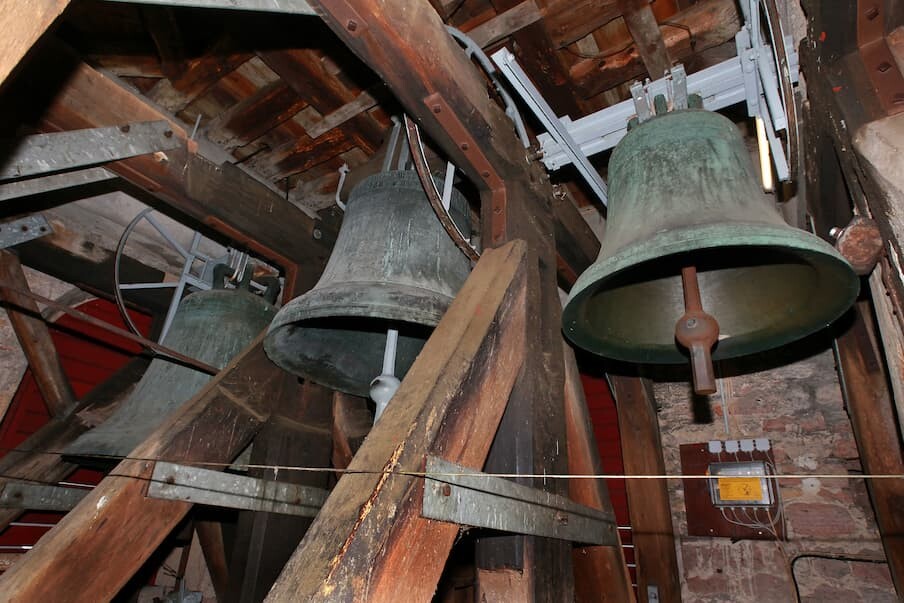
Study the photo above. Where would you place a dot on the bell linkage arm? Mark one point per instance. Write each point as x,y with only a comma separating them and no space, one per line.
384,386
698,332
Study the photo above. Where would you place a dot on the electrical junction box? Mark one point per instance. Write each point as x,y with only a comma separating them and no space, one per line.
728,489
740,484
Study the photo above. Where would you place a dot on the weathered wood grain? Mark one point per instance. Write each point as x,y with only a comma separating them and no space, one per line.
369,541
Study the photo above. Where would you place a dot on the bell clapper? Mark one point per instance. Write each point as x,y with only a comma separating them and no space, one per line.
698,332
384,386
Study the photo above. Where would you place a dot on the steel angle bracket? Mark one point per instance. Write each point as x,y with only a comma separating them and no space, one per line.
215,488
456,494
23,230
59,151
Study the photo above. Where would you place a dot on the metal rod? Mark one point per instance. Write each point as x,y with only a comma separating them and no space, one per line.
698,332
433,195
167,353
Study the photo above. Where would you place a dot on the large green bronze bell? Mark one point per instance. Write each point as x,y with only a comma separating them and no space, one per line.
392,267
211,326
683,195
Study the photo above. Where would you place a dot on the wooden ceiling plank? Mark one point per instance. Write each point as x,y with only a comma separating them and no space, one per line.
505,24
711,23
303,70
647,37
369,540
116,528
567,21
346,112
34,338
255,115
198,75
301,155
210,193
23,22
127,65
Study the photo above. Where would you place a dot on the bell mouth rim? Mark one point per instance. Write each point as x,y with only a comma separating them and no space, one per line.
809,248
315,304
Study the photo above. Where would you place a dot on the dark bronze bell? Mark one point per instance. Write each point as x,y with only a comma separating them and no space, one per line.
211,326
393,267
684,196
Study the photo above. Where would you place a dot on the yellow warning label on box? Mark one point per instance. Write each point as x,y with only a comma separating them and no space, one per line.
740,488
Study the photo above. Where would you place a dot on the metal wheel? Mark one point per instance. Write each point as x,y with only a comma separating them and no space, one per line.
188,277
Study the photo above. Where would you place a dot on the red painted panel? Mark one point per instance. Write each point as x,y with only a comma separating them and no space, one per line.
604,415
89,355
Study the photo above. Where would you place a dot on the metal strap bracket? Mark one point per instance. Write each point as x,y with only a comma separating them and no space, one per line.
58,151
24,229
464,496
206,487
466,143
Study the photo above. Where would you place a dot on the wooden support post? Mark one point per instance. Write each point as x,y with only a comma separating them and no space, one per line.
352,421
648,39
445,93
870,406
210,537
297,434
39,459
34,337
369,541
24,21
390,37
600,571
535,50
648,500
116,528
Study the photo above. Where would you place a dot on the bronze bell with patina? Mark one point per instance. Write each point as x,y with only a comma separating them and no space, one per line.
696,258
212,326
393,268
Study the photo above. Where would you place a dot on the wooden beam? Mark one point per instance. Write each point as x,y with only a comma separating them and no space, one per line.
210,538
297,435
352,421
647,38
391,46
536,53
34,337
369,540
224,197
116,528
23,23
195,76
648,500
305,72
255,115
505,23
38,458
567,21
600,571
703,25
871,409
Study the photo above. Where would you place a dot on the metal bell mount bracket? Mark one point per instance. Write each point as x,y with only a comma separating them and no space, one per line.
762,76
197,270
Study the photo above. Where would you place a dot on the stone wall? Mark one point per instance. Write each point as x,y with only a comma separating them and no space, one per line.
799,407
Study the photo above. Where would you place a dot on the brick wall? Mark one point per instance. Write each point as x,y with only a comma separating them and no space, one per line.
799,407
